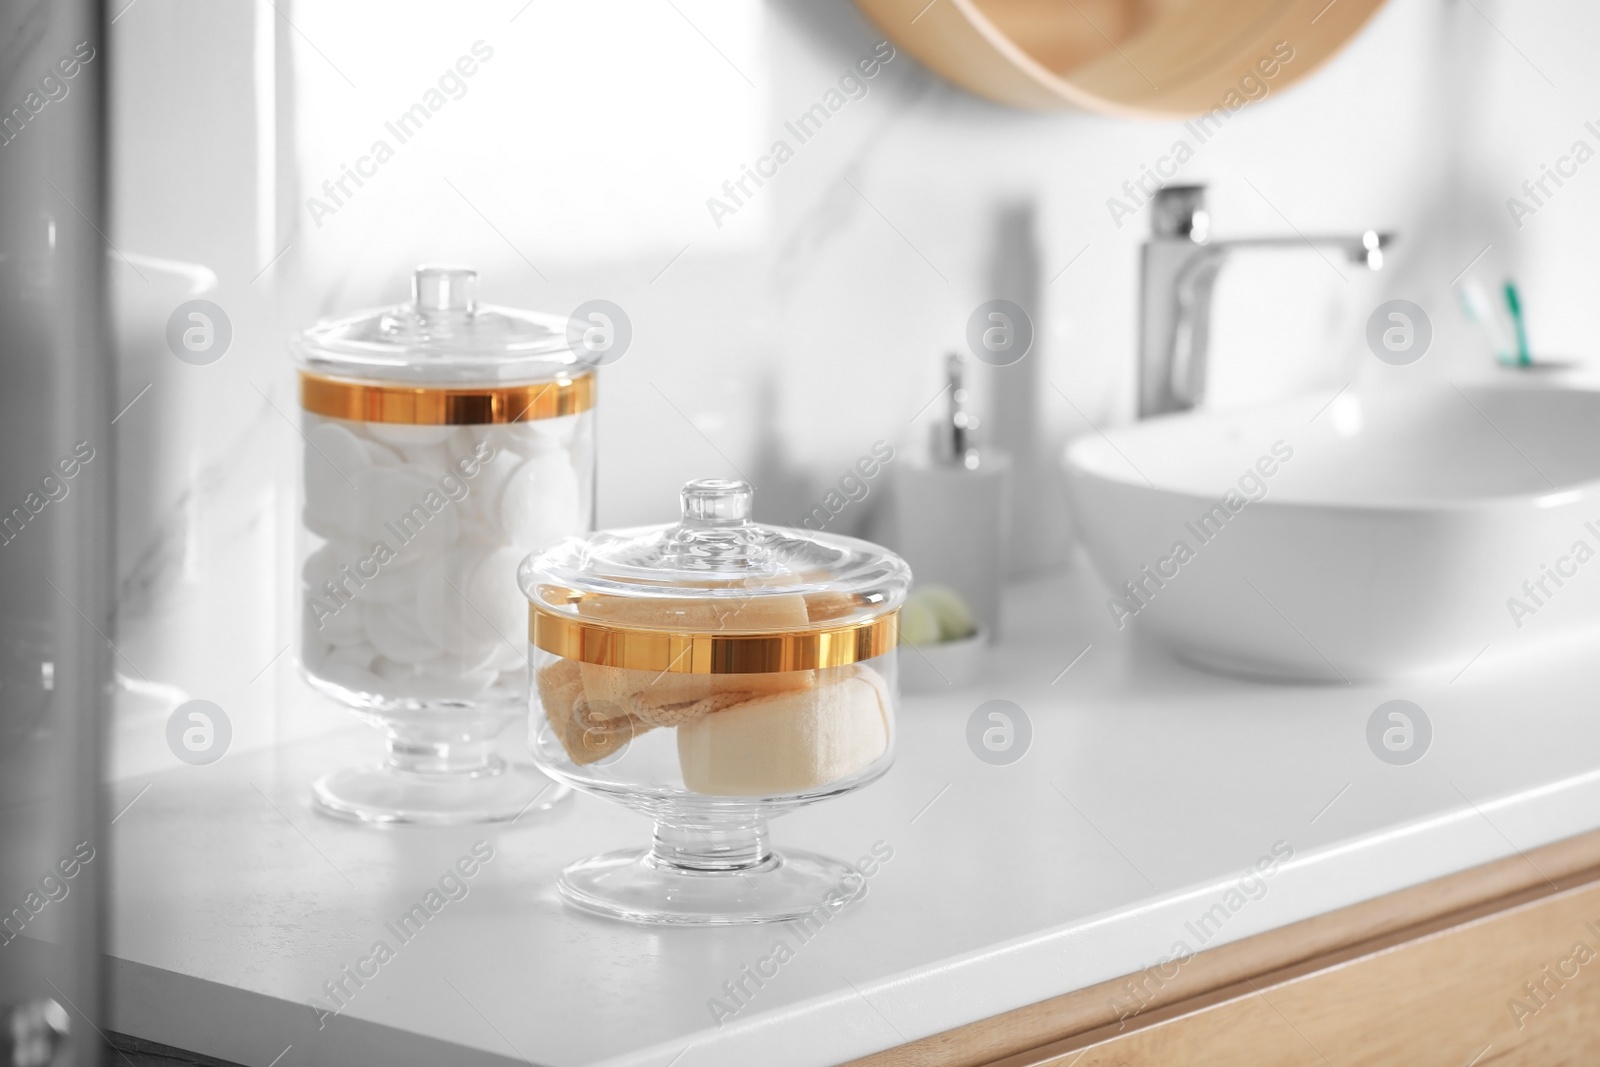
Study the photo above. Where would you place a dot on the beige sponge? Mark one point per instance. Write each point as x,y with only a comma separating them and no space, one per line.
659,698
785,611
791,741
663,698
589,731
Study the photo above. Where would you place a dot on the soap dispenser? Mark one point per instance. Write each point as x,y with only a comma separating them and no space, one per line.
952,508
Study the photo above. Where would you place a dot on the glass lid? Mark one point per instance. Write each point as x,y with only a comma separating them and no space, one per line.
716,570
441,335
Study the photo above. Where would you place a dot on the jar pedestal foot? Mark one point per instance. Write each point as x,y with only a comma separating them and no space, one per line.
710,875
436,786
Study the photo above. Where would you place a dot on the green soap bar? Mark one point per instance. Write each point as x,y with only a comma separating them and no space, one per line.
919,625
955,618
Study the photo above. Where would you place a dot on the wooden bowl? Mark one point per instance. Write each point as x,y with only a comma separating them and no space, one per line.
1132,58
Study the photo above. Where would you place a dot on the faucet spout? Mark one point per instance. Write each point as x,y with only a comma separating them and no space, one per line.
1178,273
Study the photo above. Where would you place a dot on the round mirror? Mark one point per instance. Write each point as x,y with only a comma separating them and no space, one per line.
1134,58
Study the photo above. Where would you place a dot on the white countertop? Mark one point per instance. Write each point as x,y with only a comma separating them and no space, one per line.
1147,791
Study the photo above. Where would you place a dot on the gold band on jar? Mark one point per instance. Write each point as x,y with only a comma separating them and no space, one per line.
712,653
417,405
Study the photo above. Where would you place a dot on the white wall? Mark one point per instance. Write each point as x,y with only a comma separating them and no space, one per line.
1525,109
783,343
593,138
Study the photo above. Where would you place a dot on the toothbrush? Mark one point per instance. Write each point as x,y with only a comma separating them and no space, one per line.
1514,305
1481,311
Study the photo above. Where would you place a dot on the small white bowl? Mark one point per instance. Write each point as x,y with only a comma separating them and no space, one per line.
947,665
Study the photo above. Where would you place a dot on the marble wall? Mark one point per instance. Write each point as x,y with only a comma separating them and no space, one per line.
776,336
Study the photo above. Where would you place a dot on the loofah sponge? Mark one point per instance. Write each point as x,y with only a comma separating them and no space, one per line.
588,731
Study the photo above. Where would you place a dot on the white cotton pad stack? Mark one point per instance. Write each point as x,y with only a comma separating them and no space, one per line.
412,596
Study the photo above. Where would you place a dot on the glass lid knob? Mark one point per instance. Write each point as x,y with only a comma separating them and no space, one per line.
717,502
443,288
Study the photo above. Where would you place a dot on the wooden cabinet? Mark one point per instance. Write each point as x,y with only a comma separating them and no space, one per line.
1499,965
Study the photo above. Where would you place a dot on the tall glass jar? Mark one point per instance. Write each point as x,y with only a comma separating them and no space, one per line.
445,440
713,674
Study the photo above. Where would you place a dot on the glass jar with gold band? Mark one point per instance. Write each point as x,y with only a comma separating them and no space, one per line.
712,674
445,440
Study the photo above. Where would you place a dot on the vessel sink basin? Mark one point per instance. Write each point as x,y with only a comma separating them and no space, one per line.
1380,536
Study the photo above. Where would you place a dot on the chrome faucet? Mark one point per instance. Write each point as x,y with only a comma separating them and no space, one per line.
1178,270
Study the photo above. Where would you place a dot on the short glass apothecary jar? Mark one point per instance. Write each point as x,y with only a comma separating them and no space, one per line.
445,440
713,674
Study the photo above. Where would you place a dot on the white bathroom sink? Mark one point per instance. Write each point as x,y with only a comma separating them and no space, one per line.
1379,536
